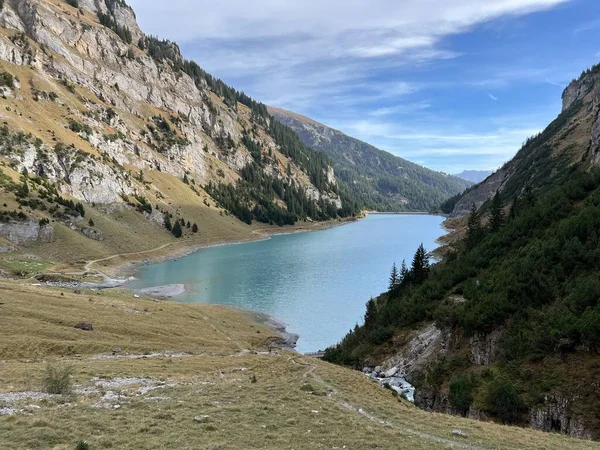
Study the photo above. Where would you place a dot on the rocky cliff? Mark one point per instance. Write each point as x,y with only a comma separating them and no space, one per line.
96,112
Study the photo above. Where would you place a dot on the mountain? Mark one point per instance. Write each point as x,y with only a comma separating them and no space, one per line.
474,176
506,326
385,182
113,142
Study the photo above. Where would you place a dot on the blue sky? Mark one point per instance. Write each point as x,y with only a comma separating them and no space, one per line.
450,84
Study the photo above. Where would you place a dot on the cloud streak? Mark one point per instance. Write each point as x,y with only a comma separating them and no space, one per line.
364,66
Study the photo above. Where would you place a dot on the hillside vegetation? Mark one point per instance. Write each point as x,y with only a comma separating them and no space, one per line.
516,301
384,182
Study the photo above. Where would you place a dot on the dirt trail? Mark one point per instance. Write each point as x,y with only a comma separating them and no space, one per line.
311,373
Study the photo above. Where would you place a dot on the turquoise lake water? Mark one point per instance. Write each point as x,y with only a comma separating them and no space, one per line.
317,283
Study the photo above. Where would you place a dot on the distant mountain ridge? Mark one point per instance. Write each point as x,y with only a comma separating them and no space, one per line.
386,182
475,176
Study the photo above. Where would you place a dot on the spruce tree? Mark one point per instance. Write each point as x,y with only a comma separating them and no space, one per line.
167,221
394,278
194,228
474,230
371,313
497,215
404,273
420,266
177,231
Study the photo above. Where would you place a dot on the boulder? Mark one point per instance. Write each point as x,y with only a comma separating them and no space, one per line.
85,326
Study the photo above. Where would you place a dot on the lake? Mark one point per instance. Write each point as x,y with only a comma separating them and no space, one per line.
317,282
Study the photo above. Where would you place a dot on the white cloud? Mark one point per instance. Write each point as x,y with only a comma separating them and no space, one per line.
236,36
493,97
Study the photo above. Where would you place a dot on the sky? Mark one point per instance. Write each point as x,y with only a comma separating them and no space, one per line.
449,84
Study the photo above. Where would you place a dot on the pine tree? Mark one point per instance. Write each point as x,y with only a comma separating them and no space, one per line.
177,231
185,179
91,223
497,215
420,266
188,225
371,313
394,278
194,228
404,273
474,230
167,221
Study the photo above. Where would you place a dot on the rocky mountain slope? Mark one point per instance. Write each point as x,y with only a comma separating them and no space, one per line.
385,181
505,328
111,139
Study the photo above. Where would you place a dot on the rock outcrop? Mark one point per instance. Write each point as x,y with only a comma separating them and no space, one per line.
555,416
26,232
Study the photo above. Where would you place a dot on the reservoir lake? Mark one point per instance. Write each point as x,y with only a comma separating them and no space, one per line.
317,283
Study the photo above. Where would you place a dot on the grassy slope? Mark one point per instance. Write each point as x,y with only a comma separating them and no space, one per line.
277,411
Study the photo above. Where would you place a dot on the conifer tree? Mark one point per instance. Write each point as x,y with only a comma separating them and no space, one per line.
194,228
497,215
420,266
404,272
177,231
394,277
371,313
474,230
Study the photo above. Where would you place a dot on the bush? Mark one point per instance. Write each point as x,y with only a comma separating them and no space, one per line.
504,401
82,445
73,3
461,393
6,79
57,380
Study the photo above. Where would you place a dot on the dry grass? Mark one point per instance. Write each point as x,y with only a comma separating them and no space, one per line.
251,399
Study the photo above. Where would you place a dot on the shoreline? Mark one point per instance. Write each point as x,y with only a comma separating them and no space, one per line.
127,269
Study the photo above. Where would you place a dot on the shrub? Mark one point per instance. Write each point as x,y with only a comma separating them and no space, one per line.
82,445
461,393
57,380
6,79
504,401
73,3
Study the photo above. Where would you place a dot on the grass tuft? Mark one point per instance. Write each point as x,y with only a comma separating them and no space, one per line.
57,380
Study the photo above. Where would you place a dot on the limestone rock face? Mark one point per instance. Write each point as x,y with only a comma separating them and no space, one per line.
424,346
555,416
484,347
136,111
26,233
577,90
